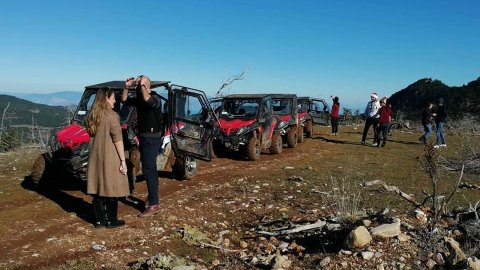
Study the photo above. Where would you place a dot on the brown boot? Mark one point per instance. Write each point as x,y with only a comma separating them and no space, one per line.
150,211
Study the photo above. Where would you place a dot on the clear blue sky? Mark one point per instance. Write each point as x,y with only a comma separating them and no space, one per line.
315,48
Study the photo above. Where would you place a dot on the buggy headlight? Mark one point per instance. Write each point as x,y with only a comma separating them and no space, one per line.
242,131
282,124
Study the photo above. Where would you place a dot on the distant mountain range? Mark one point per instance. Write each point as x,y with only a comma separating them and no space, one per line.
21,112
459,100
65,98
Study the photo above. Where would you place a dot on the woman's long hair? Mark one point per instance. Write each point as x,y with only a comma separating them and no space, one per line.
99,110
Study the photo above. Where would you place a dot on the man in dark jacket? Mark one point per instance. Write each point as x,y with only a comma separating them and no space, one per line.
427,118
150,132
440,119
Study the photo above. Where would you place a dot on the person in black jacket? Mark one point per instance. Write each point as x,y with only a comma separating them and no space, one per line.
150,131
427,119
440,119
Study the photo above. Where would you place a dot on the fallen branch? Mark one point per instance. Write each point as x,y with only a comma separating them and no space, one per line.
223,249
393,189
317,225
469,186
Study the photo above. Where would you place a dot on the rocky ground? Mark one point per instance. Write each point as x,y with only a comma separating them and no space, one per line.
303,209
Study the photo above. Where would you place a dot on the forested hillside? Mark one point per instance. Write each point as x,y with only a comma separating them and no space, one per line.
459,101
23,112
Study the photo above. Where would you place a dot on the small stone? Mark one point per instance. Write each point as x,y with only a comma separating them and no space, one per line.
386,230
380,267
215,262
358,238
288,168
403,237
367,255
366,222
378,254
345,252
243,244
98,247
325,262
344,264
421,216
431,263
127,250
473,263
456,253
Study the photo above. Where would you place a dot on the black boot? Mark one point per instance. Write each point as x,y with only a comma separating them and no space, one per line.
112,210
99,209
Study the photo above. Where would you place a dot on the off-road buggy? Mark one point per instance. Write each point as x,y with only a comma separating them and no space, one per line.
247,124
286,108
67,150
312,111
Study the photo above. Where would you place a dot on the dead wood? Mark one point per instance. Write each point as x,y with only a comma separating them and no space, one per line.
393,189
298,228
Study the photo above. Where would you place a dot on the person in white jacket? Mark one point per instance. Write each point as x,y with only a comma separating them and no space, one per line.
371,117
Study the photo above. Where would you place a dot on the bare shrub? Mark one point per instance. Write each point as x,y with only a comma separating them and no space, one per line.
342,199
468,156
468,124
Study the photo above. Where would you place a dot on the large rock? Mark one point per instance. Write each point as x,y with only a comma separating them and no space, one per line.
358,238
387,230
280,262
456,253
473,263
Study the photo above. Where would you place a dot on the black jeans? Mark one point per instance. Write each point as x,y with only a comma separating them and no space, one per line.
370,122
149,148
334,122
382,132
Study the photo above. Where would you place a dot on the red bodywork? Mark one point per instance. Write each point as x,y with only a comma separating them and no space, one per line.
285,118
302,115
72,136
227,126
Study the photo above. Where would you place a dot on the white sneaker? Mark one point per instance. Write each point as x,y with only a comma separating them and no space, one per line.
374,144
443,145
436,146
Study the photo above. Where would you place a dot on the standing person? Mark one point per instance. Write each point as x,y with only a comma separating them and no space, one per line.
106,171
334,115
385,118
427,118
440,119
150,132
372,117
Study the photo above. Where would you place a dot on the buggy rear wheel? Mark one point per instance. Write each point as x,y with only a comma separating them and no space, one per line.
292,137
277,144
309,129
300,134
253,148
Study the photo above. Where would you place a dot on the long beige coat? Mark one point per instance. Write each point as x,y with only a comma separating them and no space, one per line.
103,174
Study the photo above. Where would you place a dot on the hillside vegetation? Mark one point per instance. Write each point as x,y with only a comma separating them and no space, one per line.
459,101
23,112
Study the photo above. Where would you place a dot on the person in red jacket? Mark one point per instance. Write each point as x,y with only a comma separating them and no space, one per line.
334,115
386,114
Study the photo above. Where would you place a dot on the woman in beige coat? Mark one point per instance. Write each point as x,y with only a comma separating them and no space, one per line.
106,171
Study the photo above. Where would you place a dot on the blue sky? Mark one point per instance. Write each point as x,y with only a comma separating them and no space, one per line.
315,48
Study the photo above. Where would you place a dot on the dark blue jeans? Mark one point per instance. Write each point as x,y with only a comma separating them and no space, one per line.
440,136
149,148
428,130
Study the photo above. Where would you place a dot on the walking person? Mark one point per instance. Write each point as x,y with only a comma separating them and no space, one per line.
334,115
427,119
106,171
150,131
372,118
385,118
440,119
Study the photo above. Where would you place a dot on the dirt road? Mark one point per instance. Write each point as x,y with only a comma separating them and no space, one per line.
53,229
